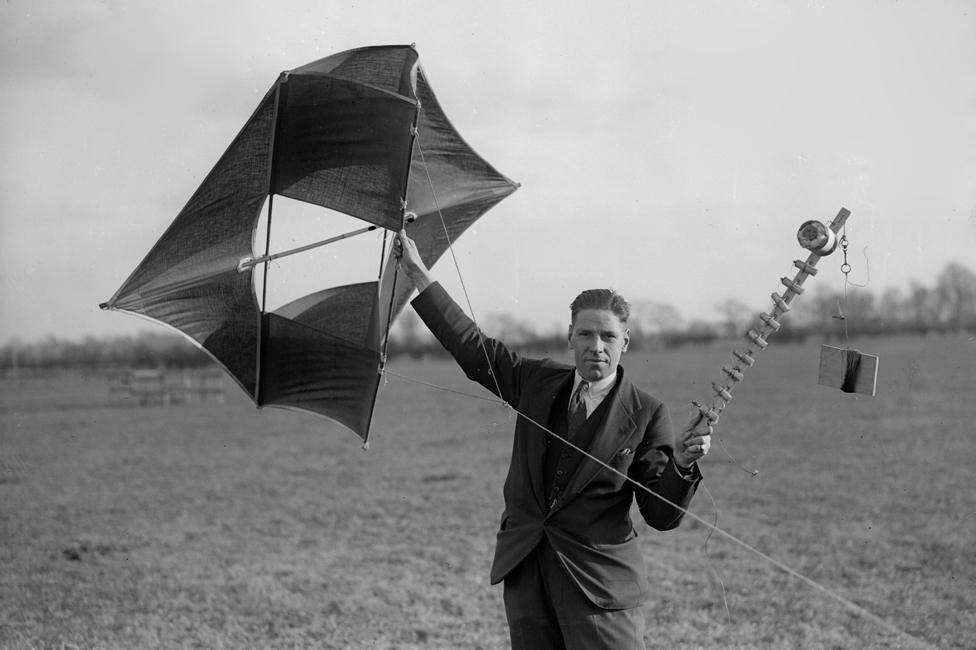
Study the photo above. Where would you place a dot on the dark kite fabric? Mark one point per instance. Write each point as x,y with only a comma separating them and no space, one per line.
337,133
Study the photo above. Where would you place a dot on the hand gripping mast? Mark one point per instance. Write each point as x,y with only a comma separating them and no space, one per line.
820,240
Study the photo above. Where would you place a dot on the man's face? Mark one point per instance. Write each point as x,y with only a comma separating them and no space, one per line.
598,338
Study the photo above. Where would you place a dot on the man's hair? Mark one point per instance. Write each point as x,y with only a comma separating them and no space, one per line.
601,299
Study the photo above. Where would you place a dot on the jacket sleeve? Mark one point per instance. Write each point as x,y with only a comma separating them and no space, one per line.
483,359
654,468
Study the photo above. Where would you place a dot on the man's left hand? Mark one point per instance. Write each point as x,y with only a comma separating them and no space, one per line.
694,441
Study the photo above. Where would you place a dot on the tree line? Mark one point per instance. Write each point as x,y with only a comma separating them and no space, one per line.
947,306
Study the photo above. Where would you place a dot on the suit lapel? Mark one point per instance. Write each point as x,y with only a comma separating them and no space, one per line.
534,441
616,429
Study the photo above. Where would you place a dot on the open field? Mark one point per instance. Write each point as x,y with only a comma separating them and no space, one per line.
220,526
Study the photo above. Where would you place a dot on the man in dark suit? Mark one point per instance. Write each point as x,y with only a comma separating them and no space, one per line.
566,549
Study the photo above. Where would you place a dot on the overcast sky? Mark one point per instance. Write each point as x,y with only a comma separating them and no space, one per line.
667,149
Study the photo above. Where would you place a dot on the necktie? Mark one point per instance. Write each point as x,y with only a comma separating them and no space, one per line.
577,408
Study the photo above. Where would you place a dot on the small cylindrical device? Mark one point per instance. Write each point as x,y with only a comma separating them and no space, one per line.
817,238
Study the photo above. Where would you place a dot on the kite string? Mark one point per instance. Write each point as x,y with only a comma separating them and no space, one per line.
712,527
493,400
708,556
846,268
457,267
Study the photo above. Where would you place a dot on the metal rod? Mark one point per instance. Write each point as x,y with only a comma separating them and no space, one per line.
249,262
267,247
379,275
758,336
406,217
272,169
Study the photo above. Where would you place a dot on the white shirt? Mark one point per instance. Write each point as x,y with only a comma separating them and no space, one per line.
596,392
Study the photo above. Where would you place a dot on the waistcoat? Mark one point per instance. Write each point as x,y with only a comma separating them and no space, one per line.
561,460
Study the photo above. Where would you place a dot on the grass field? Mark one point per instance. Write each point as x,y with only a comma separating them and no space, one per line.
221,526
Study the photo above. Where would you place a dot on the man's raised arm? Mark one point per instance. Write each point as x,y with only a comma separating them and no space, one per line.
483,359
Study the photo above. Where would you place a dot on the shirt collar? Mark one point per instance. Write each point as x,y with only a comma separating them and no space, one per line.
598,389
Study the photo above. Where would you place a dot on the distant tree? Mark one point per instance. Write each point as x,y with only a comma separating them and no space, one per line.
820,309
553,341
405,331
699,331
506,327
857,307
652,322
921,307
827,310
892,309
735,316
651,317
955,297
11,357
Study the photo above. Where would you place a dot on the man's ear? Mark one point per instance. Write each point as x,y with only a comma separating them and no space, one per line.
569,335
626,340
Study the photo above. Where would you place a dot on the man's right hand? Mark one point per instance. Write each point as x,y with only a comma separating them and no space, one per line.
406,252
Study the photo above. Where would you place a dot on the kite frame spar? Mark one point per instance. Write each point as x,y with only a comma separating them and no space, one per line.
343,133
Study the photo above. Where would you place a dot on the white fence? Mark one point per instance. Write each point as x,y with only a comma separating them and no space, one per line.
163,387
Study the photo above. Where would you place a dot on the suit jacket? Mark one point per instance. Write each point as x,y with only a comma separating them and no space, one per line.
589,525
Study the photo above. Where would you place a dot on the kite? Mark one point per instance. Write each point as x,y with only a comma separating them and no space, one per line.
360,133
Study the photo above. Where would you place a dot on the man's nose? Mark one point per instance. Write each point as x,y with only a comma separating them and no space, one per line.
597,344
